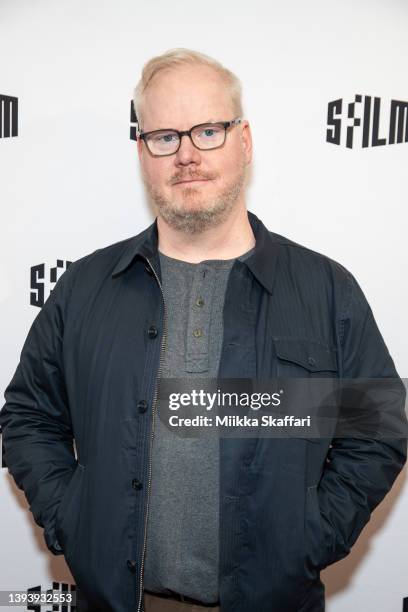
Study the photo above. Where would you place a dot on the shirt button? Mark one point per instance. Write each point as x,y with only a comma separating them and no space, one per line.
142,406
152,332
199,301
311,361
198,332
136,484
131,563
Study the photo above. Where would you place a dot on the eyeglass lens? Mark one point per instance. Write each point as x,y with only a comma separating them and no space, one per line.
206,136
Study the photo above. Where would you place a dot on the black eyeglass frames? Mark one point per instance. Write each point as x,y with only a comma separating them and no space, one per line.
204,136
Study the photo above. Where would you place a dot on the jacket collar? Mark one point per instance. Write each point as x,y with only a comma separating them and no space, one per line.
262,263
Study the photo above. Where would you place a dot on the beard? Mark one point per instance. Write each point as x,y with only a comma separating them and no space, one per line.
192,213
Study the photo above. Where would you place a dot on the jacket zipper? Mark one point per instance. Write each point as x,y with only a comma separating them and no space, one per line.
139,607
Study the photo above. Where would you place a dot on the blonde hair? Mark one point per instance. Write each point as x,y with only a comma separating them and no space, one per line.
182,57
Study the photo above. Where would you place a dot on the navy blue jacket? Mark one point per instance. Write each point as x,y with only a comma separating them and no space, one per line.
88,373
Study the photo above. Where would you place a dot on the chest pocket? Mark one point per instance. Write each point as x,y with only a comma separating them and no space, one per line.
303,358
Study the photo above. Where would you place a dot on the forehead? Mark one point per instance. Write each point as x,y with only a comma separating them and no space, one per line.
183,96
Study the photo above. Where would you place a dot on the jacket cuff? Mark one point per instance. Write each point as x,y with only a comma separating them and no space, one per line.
52,542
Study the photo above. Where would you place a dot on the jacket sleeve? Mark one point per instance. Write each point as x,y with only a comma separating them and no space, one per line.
360,471
35,420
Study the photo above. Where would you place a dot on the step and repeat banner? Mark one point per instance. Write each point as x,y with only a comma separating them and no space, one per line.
326,95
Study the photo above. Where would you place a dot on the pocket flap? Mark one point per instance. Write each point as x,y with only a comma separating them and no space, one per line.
314,356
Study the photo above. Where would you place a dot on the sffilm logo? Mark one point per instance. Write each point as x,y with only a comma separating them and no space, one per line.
59,588
38,281
133,121
367,117
8,116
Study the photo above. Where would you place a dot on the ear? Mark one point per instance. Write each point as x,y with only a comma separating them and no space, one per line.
246,139
139,148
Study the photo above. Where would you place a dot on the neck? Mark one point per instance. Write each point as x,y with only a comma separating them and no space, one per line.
227,240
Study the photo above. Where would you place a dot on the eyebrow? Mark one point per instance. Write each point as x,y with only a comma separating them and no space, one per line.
173,128
207,121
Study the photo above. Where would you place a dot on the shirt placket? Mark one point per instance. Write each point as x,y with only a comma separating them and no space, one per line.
199,320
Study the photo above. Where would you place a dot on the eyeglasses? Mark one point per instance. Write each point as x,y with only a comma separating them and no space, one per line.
204,136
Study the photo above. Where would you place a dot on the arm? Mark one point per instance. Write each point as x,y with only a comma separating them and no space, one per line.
359,471
35,420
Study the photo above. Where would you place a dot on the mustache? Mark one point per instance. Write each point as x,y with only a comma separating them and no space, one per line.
192,177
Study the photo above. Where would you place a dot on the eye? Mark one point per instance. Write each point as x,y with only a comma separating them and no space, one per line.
166,138
211,131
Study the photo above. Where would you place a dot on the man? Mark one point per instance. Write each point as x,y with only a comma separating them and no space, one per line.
148,520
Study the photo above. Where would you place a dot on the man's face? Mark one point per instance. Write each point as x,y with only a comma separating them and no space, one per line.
179,99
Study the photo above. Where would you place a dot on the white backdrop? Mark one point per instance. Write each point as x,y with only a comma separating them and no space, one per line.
70,183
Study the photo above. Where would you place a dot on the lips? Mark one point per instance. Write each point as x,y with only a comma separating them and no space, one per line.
187,181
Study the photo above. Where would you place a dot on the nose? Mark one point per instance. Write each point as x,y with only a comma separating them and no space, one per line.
187,153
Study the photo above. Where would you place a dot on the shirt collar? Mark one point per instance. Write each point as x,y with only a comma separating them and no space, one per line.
262,262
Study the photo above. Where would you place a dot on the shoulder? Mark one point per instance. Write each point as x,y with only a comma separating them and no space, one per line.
100,263
304,259
314,274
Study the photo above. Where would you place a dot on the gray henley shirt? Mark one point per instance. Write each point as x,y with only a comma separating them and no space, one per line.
183,523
